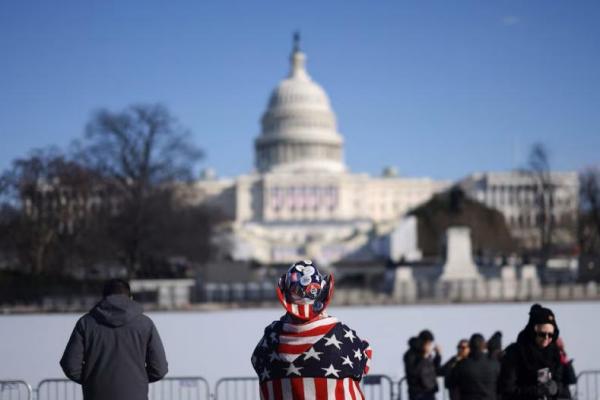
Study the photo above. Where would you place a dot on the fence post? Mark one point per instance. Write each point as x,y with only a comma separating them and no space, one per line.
12,386
588,380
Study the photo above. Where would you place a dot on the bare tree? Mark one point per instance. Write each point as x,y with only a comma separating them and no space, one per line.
116,201
539,170
45,200
142,150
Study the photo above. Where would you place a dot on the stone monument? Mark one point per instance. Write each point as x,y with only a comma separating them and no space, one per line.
459,264
405,287
531,286
508,277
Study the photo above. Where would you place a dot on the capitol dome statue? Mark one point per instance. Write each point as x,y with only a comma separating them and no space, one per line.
299,130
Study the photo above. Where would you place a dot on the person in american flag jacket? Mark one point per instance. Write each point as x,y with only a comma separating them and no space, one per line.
308,354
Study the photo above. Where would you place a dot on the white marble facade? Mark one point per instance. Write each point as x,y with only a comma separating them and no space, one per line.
515,195
302,201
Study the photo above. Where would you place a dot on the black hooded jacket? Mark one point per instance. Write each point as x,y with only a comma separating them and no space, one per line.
475,378
421,372
520,365
114,351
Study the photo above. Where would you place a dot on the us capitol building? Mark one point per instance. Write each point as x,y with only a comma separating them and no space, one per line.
302,201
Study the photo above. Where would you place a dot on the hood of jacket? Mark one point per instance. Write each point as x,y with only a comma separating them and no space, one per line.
415,344
495,342
116,310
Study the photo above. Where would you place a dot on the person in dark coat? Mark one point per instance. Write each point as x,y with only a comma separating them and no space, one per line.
115,350
422,366
462,352
531,367
476,377
494,346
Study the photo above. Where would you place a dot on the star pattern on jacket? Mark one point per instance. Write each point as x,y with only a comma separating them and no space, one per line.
332,341
311,353
293,370
350,335
347,361
338,353
331,371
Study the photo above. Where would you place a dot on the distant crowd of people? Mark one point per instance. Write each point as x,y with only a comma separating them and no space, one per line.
534,367
115,350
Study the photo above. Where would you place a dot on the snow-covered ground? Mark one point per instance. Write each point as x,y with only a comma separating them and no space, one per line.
218,344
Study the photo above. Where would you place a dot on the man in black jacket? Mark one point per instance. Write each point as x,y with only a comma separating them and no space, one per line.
115,350
422,366
462,352
531,367
476,377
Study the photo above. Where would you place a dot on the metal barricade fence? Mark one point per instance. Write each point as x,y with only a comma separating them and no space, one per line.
170,388
378,387
588,386
15,390
237,388
375,387
58,389
402,390
180,388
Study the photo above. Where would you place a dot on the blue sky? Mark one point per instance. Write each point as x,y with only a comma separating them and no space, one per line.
435,88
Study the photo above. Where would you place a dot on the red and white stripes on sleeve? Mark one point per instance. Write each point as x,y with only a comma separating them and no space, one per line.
311,389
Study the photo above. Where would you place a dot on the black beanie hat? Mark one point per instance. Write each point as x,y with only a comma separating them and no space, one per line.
539,315
426,336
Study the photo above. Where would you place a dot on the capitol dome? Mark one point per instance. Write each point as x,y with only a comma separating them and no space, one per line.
299,131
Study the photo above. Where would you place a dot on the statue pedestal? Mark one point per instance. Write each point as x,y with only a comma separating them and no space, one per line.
508,276
459,264
405,288
531,287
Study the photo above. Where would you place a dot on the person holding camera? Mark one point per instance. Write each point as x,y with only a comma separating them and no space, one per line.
531,367
422,364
